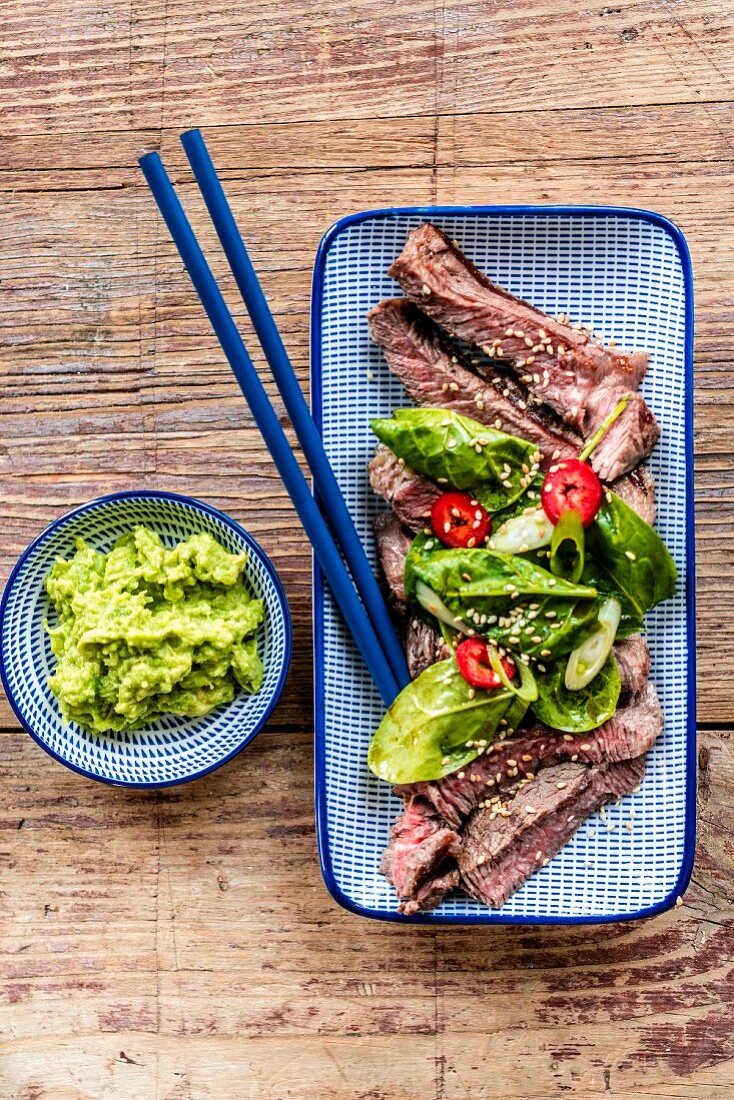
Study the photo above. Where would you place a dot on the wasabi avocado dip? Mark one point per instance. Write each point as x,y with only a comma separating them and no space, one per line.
144,630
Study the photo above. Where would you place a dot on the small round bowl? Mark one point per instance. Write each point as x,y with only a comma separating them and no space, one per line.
169,750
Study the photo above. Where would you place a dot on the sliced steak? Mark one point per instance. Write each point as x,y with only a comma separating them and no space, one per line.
631,731
499,853
424,646
560,364
431,893
461,299
393,544
632,435
637,488
420,855
435,374
633,661
409,495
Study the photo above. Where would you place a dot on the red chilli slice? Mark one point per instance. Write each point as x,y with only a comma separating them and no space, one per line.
571,485
472,658
458,520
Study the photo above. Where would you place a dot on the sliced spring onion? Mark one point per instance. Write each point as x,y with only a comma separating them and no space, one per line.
590,656
428,599
603,428
522,533
527,690
567,547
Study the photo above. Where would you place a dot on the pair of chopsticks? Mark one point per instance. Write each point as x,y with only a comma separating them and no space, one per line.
367,617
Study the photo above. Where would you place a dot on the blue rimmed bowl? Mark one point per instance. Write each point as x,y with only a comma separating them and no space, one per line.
170,750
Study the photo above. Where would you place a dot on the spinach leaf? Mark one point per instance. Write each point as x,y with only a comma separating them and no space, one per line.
504,597
576,711
425,732
627,558
461,453
530,499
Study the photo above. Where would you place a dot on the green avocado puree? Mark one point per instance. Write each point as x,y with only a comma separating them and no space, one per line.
144,630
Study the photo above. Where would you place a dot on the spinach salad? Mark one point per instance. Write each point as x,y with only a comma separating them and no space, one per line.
530,575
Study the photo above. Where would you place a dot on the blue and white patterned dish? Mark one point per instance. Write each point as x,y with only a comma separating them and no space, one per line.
629,273
170,750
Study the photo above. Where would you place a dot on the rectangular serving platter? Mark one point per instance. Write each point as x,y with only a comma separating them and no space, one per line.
628,274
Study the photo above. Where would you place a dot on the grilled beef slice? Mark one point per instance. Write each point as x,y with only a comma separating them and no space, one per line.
435,374
393,544
499,853
629,733
420,858
632,435
424,646
562,367
637,488
409,495
633,661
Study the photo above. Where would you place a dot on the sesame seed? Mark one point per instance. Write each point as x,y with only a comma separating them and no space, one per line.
498,423
445,387
584,748
628,826
530,810
369,376
430,544
454,387
538,856
567,737
426,290
479,403
460,775
630,555
546,652
512,763
561,786
679,900
575,757
528,342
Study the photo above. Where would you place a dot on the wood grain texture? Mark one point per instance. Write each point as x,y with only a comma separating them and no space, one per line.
185,940
182,944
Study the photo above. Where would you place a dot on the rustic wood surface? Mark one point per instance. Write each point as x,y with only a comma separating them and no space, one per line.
182,944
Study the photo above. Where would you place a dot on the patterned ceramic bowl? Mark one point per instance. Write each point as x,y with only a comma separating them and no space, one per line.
170,750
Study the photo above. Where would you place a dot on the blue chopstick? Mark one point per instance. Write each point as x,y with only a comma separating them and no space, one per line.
312,445
269,425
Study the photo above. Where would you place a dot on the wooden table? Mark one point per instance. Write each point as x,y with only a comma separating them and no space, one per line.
182,944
